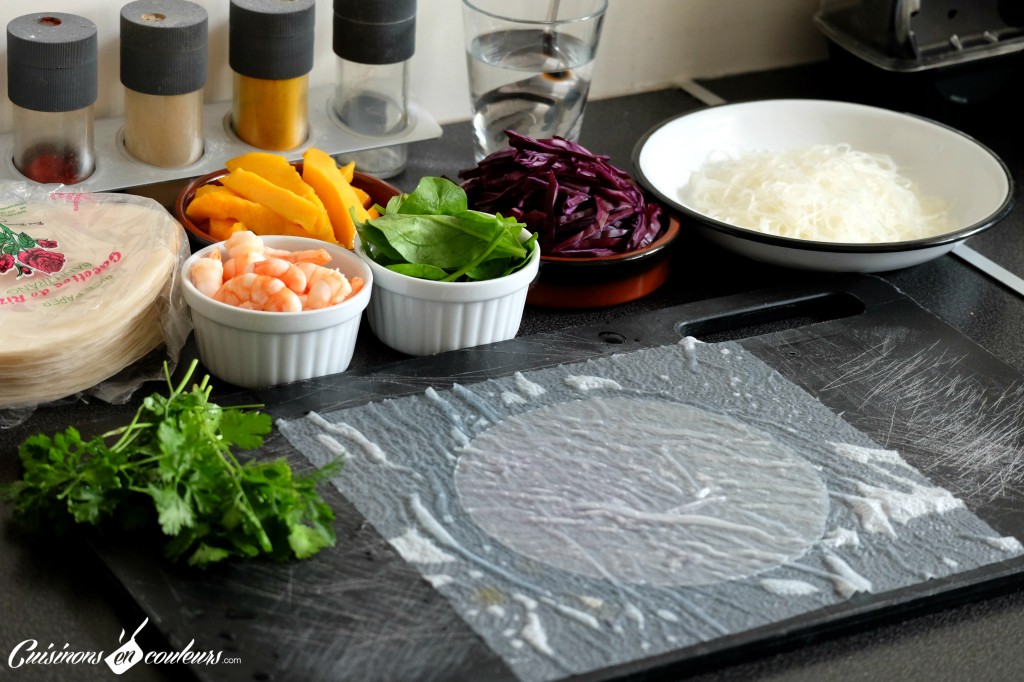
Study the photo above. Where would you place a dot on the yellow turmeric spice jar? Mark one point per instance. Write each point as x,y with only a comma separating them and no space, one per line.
271,114
270,50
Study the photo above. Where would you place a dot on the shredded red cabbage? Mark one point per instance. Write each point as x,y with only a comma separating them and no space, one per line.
577,202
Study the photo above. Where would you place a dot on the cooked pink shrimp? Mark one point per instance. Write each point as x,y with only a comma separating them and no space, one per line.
293,277
318,256
326,288
357,284
258,292
241,264
307,268
207,273
243,241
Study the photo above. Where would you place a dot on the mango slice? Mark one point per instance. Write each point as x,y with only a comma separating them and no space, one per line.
363,196
288,230
348,171
207,189
272,167
285,203
336,192
265,193
223,205
279,171
222,228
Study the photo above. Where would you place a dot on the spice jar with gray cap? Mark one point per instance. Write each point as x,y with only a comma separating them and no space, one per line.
163,70
374,42
52,81
270,50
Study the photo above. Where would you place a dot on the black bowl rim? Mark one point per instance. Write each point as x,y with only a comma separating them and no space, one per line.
957,235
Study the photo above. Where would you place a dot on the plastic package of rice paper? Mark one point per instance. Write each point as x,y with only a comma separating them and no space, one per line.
90,301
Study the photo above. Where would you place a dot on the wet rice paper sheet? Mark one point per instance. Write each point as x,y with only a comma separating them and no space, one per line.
594,514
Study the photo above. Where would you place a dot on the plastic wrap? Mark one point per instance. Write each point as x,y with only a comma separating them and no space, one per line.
90,297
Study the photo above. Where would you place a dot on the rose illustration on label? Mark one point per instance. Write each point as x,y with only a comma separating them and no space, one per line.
28,255
42,260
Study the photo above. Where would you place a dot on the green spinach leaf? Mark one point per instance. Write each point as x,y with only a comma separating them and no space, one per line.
430,233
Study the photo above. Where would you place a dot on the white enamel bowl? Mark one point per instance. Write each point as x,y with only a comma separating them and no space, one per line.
423,317
255,349
940,160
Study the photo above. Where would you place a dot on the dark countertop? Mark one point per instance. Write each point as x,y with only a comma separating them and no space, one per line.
62,593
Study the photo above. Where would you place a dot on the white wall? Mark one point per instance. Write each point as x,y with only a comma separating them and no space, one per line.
646,44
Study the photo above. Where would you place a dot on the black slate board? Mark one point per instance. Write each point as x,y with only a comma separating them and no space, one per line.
841,339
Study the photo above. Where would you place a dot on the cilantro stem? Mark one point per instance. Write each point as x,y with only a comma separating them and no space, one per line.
175,457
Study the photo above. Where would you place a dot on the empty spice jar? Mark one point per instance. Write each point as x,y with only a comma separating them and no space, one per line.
374,42
163,70
52,83
270,51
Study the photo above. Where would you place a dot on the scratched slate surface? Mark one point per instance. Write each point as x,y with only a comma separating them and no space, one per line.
360,612
597,513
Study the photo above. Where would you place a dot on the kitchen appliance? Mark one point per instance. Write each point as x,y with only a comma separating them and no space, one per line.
968,50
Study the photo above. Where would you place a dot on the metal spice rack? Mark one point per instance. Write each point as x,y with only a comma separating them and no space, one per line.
116,169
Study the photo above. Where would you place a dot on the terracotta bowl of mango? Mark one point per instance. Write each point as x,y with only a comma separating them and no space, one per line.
266,193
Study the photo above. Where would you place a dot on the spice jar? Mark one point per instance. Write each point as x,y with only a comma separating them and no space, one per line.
374,42
163,70
270,50
52,82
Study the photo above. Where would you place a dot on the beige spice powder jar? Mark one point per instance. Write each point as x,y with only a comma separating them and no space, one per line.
163,69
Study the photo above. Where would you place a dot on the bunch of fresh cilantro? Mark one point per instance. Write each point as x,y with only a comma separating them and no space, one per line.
431,234
173,467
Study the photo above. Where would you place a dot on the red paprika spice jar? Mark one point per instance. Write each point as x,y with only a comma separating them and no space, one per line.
52,83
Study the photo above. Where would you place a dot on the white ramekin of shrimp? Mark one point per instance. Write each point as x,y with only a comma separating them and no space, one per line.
275,309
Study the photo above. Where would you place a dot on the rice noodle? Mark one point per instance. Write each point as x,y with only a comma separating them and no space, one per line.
826,193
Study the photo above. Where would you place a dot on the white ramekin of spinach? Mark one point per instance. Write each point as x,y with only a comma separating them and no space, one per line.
445,277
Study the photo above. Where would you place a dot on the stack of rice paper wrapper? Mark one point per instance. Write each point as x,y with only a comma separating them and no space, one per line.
88,287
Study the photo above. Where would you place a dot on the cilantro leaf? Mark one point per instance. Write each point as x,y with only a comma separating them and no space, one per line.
173,466
173,511
245,429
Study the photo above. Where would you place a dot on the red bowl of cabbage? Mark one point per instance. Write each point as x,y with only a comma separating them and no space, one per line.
603,241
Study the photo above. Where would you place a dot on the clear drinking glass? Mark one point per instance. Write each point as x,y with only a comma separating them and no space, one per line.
530,67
